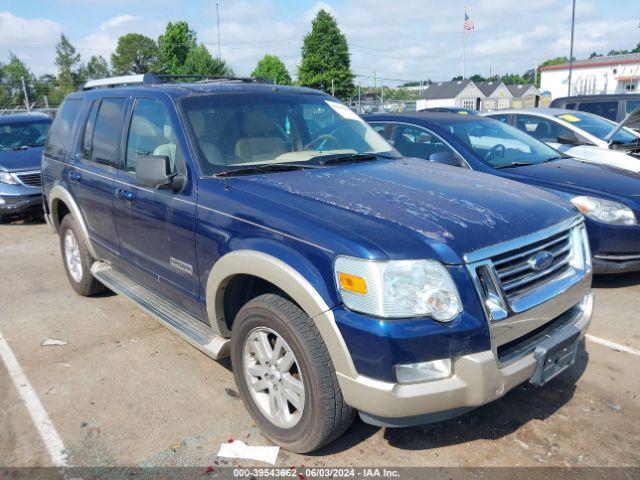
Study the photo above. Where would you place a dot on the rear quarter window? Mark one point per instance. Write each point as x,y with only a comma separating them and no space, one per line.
608,109
61,131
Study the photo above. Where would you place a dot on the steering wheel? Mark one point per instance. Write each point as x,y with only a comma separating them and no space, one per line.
319,142
494,149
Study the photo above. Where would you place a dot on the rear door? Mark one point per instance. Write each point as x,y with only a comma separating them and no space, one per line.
156,227
91,177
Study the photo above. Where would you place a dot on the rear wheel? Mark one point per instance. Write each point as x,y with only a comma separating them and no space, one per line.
285,376
77,259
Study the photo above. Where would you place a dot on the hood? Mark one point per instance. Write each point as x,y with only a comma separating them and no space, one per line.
581,176
16,160
383,202
632,120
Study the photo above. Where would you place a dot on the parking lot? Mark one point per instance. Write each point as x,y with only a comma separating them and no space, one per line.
124,391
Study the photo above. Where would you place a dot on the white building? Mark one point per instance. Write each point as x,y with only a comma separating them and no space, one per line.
456,93
598,75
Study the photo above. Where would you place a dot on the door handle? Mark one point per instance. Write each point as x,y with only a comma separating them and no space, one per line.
124,194
73,175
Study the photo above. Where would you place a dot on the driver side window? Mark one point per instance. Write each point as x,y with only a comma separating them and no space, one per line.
414,141
151,133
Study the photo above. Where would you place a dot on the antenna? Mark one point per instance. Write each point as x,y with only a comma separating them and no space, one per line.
218,20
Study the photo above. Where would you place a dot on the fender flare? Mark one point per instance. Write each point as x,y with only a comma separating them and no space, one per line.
289,280
59,193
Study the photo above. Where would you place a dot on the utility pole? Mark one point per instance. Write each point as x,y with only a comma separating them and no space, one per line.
573,24
218,20
333,87
26,96
359,97
382,95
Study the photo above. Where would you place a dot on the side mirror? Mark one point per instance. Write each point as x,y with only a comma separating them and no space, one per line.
568,139
446,158
153,171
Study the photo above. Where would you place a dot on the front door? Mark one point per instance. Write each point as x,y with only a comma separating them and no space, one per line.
156,227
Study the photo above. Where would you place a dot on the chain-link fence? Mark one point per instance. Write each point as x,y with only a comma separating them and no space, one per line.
376,106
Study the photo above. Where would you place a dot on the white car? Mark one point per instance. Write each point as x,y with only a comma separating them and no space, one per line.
579,134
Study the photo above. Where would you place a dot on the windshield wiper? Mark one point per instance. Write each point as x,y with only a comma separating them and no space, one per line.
265,167
551,159
515,164
349,158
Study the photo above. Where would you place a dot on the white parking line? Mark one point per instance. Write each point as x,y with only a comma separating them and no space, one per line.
613,345
39,415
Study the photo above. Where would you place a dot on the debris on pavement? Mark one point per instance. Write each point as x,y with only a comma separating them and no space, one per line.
52,342
239,449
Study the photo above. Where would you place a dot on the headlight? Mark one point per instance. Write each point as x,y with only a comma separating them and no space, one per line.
398,288
6,177
605,211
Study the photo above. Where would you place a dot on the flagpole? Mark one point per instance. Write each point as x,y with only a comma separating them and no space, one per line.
464,58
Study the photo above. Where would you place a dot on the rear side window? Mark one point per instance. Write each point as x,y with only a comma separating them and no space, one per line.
501,118
630,106
60,133
604,109
570,106
106,133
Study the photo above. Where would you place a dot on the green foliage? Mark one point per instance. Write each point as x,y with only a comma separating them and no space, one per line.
11,92
200,62
174,46
513,79
637,49
97,67
325,57
68,62
135,53
272,68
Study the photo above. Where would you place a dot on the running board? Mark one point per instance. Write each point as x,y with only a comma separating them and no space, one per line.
171,316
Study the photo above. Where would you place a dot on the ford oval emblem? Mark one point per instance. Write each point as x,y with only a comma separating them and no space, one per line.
541,260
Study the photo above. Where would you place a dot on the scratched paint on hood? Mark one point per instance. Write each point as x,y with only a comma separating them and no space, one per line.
438,202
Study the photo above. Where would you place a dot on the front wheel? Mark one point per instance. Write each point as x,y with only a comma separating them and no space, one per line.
285,376
77,259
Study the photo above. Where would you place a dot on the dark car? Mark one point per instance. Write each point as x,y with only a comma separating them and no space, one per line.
607,196
613,106
458,110
274,225
22,137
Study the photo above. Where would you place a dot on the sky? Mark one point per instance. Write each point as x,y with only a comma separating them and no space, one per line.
395,41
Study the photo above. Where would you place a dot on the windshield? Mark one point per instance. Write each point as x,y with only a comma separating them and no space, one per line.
598,126
23,134
240,131
500,145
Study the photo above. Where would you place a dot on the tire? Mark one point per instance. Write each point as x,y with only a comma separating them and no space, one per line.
324,415
79,275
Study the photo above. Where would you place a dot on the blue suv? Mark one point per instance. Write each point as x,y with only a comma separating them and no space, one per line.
272,224
22,137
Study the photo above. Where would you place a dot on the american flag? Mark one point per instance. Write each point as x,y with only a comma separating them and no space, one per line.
468,23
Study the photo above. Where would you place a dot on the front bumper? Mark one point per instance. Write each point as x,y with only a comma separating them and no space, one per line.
615,248
478,378
15,204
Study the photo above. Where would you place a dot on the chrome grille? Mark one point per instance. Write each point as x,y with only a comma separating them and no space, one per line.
30,179
516,269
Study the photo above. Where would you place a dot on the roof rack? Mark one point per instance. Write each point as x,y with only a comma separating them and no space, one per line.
161,78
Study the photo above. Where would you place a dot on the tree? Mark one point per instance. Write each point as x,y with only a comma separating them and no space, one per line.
67,61
513,79
135,53
200,62
97,67
594,55
174,46
272,68
637,49
325,58
13,73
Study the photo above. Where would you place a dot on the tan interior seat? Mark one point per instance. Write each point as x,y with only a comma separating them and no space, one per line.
210,151
259,143
169,148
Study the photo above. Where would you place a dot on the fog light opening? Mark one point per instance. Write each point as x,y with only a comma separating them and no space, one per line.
424,371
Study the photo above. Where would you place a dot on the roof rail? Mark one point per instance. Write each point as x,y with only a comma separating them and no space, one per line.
161,78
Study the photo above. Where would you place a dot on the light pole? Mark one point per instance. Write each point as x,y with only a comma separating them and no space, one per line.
573,24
